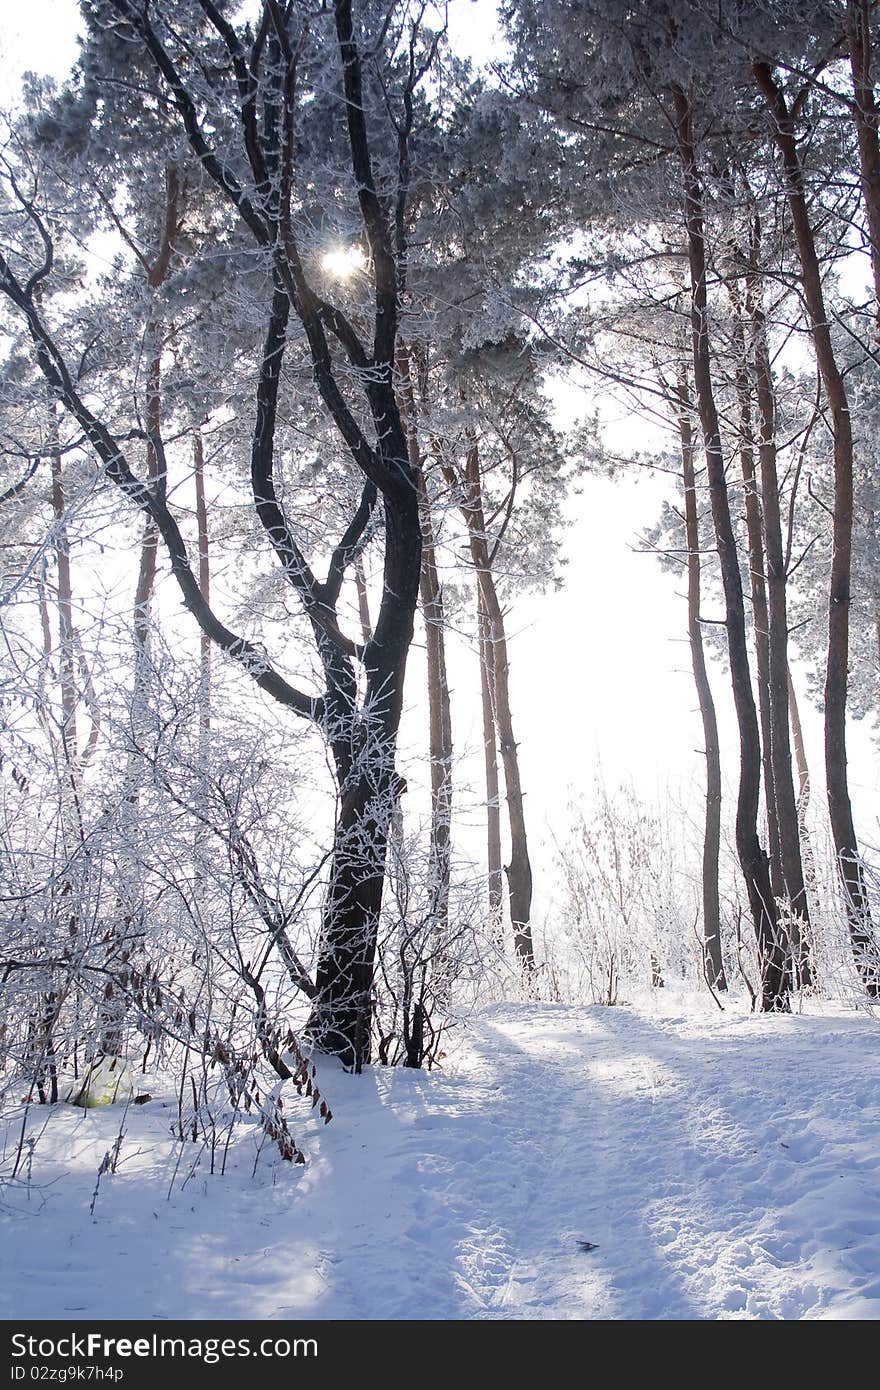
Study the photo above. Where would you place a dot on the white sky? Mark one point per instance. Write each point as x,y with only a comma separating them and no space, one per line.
36,35
600,671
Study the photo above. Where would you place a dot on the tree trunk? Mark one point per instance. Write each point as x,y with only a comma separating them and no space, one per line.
364,746
777,647
205,586
490,753
439,712
439,719
363,598
865,950
130,896
70,791
713,962
519,870
757,582
753,860
803,799
156,273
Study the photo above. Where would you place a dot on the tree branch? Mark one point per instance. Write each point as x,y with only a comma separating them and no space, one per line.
119,471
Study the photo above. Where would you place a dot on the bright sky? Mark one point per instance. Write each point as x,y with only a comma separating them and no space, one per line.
38,35
600,672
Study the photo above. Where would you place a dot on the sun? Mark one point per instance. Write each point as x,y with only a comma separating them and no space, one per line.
343,262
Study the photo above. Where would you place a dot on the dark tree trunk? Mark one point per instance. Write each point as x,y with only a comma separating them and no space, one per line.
713,962
865,950
758,586
777,648
365,747
753,860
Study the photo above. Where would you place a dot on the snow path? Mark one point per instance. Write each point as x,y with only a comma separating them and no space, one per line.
725,1166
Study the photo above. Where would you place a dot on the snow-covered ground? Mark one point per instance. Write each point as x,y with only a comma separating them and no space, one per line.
723,1165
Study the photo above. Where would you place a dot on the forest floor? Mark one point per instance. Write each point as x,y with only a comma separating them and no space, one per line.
722,1165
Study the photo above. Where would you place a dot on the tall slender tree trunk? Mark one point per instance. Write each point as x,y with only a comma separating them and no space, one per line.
70,790
205,586
519,870
713,962
439,710
865,950
42,1019
490,755
758,586
204,747
130,897
156,275
149,542
777,634
753,860
439,717
129,891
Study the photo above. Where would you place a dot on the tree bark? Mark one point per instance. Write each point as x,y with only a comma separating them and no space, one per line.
713,961
439,711
758,586
365,747
777,643
803,798
519,870
865,950
439,718
363,598
490,754
753,860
